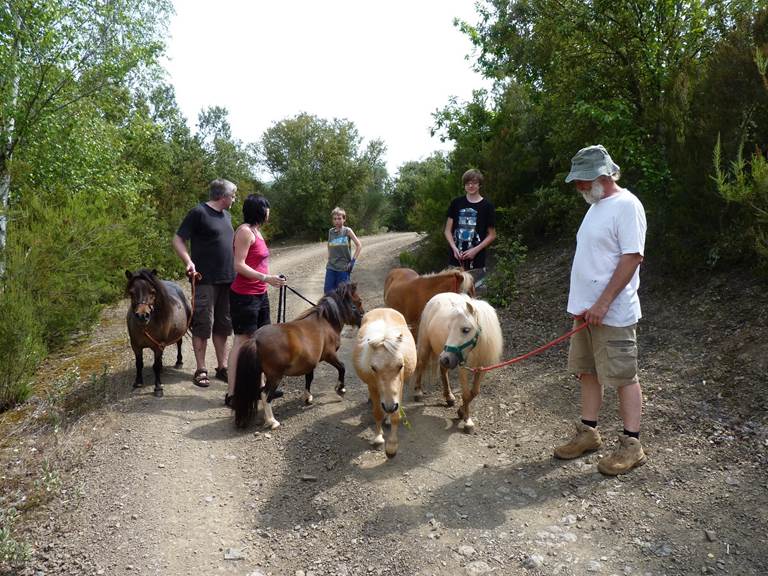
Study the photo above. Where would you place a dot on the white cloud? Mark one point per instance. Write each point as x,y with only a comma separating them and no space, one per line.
386,66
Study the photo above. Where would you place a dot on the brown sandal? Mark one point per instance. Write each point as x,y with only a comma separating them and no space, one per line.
201,378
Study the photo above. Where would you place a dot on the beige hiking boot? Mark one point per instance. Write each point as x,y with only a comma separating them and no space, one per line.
585,440
628,455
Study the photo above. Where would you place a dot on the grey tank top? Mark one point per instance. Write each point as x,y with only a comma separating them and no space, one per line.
339,252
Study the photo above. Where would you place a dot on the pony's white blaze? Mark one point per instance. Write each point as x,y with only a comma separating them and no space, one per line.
384,357
457,329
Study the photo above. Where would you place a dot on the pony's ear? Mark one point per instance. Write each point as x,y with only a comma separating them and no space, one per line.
128,274
470,309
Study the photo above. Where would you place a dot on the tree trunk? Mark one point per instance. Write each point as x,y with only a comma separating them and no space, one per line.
5,189
8,143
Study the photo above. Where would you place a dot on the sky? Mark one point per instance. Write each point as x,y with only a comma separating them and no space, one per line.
387,66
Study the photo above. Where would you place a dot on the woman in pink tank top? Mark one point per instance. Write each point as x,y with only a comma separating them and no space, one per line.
248,298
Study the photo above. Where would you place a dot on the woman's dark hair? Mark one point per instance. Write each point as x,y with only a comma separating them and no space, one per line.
255,209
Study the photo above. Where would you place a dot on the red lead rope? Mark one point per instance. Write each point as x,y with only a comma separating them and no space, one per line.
531,353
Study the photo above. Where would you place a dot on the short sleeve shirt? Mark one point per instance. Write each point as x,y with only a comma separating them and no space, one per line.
470,225
612,227
210,235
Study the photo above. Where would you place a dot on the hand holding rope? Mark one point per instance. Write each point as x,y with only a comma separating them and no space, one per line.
538,350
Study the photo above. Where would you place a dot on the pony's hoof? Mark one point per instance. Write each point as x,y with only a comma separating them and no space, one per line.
308,400
274,425
450,402
138,384
178,364
341,390
469,426
391,454
158,392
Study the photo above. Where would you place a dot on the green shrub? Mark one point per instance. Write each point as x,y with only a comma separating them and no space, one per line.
431,255
12,552
746,184
21,345
502,281
551,214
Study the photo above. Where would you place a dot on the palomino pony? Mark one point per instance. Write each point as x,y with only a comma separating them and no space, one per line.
458,330
384,358
159,315
408,293
294,349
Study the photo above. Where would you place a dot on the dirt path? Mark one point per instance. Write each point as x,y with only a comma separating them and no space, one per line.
168,486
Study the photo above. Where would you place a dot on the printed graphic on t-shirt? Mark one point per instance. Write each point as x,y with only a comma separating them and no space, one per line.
465,234
339,241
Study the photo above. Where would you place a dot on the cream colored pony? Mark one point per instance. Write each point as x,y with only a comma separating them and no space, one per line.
458,330
384,358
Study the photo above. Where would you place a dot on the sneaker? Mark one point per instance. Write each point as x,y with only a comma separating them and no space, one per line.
628,455
586,439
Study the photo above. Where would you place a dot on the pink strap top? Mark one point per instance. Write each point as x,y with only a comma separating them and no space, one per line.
258,259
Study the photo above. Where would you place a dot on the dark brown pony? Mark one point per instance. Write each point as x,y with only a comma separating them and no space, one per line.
159,315
294,348
408,292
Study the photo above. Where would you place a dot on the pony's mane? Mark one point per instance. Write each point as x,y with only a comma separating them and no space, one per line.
490,343
379,333
467,280
149,276
331,306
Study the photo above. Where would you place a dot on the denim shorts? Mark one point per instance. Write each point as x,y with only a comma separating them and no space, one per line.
249,311
606,351
211,311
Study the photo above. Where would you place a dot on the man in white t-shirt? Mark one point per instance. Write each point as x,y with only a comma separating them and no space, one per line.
604,282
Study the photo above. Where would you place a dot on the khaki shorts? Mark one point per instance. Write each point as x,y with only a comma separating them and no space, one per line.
607,351
211,311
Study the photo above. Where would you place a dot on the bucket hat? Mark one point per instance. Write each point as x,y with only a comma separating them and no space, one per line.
590,163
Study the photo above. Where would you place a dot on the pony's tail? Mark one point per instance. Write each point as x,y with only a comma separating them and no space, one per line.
247,383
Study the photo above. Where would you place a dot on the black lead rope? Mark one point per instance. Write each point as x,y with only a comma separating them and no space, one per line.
301,296
282,303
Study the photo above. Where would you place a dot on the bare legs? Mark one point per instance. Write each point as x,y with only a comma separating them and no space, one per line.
200,346
630,401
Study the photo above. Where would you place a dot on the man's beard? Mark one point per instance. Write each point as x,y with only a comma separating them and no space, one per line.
595,193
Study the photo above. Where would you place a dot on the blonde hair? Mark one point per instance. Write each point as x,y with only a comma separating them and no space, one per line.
339,211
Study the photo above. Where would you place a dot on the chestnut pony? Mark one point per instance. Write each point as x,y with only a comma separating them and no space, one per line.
159,314
384,358
294,348
408,292
458,330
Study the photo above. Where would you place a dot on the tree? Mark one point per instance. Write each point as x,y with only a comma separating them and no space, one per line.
654,81
318,164
55,53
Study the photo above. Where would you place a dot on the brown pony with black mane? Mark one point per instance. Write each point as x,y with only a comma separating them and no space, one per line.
408,292
294,348
159,315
